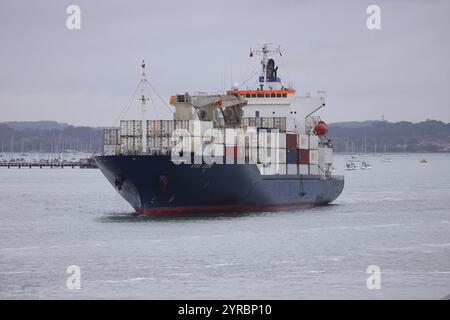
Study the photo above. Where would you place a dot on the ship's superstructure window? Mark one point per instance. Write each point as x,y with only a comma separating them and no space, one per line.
278,95
253,95
257,114
260,95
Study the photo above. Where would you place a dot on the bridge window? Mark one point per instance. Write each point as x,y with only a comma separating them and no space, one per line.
267,95
247,95
284,95
260,95
253,95
273,95
278,95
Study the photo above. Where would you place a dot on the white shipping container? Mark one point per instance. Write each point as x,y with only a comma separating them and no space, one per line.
267,139
270,169
182,124
313,142
111,150
230,136
267,155
214,135
214,150
280,123
303,169
251,155
281,156
111,136
281,140
131,128
302,141
280,168
267,122
248,138
160,128
197,127
313,169
130,145
292,168
313,157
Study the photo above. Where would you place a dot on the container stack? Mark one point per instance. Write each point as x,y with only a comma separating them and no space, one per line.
130,136
159,134
111,141
265,122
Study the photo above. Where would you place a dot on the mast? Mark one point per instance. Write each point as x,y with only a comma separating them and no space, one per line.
264,51
144,100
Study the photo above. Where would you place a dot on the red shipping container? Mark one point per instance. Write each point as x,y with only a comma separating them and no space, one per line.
303,156
291,141
231,151
235,153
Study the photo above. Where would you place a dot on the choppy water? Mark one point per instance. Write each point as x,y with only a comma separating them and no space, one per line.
395,216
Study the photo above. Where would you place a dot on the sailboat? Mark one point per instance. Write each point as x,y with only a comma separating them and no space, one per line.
385,158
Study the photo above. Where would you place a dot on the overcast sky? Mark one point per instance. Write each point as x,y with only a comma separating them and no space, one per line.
48,72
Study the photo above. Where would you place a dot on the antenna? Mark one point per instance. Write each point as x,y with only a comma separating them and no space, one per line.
265,51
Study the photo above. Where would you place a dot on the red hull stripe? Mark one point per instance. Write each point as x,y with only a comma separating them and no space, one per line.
221,208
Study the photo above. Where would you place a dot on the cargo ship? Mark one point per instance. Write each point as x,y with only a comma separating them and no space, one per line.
245,150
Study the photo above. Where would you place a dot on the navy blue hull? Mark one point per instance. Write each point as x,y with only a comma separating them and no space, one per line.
153,185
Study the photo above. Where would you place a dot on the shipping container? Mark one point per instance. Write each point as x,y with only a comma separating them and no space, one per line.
230,154
131,128
280,123
302,141
130,145
293,168
281,140
280,168
267,155
230,136
291,140
282,156
313,169
197,128
240,155
248,138
111,136
182,124
291,156
214,135
111,149
303,156
313,157
303,169
313,142
214,150
251,155
268,137
160,128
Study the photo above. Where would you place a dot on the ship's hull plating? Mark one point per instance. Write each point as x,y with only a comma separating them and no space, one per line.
153,185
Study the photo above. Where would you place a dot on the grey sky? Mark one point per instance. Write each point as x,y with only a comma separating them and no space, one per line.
86,76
